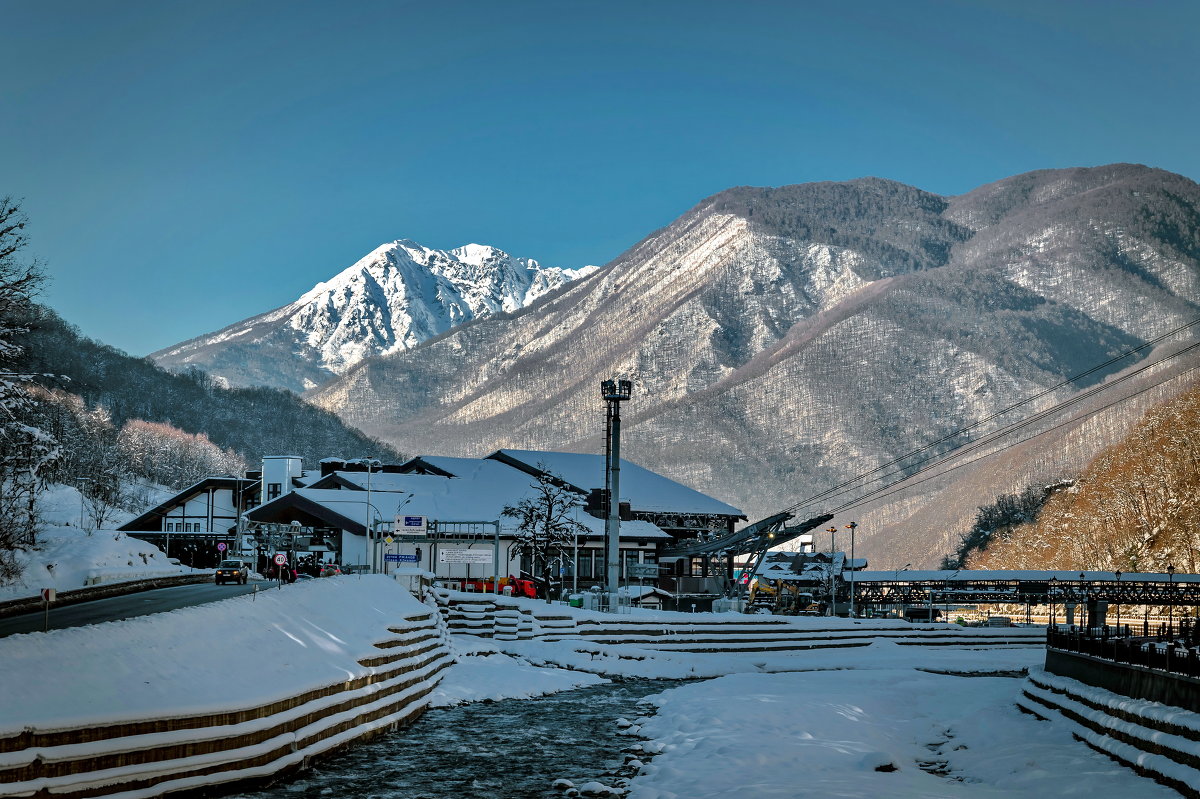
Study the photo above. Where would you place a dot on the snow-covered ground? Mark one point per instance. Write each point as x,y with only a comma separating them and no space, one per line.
857,722
239,652
865,722
68,556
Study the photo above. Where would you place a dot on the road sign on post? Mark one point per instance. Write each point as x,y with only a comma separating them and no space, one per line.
222,546
280,559
48,596
411,525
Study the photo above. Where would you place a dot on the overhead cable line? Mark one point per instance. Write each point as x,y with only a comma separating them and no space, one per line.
842,488
904,484
995,435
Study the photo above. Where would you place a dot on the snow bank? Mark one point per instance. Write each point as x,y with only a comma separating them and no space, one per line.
69,557
242,651
866,733
483,673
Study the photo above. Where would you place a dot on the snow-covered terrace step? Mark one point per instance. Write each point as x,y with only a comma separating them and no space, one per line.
754,646
1158,741
717,635
146,765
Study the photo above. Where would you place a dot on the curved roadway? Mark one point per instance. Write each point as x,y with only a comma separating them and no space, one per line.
127,606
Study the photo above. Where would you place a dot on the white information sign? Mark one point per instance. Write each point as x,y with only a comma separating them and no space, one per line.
411,525
465,556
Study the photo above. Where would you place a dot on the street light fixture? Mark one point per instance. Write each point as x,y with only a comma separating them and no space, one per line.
1117,574
371,464
852,526
1051,592
1085,614
1171,601
832,556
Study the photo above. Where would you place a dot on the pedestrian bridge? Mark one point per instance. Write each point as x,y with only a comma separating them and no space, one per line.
910,587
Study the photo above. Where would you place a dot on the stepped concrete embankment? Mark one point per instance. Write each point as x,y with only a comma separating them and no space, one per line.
510,618
1156,740
237,691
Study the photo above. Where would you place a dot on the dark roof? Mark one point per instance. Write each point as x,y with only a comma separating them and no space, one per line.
285,508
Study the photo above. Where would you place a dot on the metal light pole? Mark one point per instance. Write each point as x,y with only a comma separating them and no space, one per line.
852,526
832,555
1053,587
614,392
1087,616
370,463
1117,574
1171,601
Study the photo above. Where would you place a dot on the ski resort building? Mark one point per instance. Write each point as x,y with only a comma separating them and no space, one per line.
442,514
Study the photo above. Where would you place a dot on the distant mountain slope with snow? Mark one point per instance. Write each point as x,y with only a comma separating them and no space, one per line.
394,298
783,340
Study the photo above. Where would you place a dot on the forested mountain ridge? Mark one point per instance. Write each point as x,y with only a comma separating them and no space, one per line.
783,340
1135,508
250,422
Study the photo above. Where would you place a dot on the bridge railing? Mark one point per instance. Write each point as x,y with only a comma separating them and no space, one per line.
1170,648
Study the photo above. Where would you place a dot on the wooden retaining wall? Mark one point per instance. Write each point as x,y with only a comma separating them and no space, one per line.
153,757
1157,741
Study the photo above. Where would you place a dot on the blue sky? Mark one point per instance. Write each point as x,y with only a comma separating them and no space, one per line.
186,165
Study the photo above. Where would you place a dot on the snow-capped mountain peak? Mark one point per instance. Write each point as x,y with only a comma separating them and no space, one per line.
393,298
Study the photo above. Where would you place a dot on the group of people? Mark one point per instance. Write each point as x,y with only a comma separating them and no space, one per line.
310,564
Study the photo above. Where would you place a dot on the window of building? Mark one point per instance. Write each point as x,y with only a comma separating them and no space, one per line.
274,490
584,565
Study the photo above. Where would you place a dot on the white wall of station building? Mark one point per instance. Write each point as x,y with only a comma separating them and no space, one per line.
209,512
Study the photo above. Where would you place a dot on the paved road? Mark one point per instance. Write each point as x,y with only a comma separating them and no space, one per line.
128,606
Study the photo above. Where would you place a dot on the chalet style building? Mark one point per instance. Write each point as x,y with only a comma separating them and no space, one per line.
441,514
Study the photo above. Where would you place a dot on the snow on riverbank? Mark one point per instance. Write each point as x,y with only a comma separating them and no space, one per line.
483,674
899,733
848,723
243,651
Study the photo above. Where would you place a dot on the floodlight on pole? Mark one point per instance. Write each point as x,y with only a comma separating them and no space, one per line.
852,526
613,392
832,556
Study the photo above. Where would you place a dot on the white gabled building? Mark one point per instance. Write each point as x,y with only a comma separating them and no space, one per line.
462,499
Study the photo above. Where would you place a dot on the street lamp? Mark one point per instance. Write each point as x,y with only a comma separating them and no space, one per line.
1117,574
1171,601
1053,588
852,526
1083,593
371,464
832,555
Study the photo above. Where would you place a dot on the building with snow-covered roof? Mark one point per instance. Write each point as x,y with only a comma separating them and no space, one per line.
462,501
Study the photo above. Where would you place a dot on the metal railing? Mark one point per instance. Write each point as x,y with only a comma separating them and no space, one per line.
1170,648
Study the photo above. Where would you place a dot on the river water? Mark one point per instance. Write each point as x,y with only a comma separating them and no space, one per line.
511,749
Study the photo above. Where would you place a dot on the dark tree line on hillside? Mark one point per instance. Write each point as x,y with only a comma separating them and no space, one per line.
251,422
998,520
